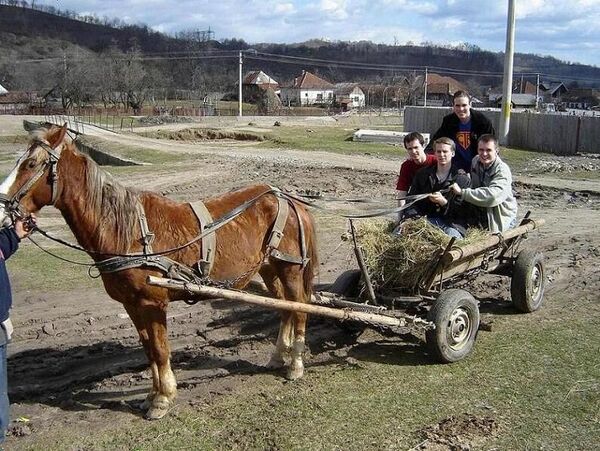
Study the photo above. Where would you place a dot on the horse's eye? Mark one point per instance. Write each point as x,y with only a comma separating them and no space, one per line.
31,164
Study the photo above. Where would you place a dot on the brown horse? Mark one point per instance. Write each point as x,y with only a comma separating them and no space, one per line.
102,215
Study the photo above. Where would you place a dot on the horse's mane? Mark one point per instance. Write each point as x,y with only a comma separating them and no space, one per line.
110,205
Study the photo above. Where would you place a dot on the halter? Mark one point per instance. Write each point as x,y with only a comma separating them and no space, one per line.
13,204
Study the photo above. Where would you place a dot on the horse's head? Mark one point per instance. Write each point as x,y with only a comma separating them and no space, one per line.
32,183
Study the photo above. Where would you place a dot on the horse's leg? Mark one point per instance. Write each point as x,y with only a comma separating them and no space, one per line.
132,311
285,335
292,280
155,319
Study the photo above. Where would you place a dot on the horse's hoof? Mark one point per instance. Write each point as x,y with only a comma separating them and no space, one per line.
156,413
294,373
146,403
275,363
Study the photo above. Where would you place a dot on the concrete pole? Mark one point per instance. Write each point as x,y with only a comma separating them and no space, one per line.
425,98
537,92
508,74
240,88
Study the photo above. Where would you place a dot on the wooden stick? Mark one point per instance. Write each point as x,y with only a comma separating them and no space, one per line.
493,240
281,304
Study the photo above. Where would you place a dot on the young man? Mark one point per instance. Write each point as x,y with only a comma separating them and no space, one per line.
441,210
417,159
9,242
491,188
464,126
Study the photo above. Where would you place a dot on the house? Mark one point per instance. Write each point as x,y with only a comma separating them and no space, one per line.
440,89
17,102
349,96
582,98
552,92
255,83
518,101
307,89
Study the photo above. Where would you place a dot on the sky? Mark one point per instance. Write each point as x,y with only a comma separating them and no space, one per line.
565,29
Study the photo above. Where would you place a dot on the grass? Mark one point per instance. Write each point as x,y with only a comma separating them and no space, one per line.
328,139
32,269
135,153
539,384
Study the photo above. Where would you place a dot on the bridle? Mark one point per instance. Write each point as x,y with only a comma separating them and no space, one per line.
13,203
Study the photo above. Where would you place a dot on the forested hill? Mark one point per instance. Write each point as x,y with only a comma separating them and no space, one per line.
27,33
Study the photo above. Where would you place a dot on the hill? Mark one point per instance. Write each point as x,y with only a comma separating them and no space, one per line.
38,46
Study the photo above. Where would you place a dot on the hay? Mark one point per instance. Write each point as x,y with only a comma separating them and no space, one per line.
397,262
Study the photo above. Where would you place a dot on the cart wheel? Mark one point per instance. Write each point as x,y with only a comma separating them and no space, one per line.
347,283
455,314
527,283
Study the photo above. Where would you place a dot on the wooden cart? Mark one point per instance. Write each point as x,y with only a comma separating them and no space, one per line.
452,319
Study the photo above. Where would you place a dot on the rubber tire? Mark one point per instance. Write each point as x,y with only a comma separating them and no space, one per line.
448,305
527,282
347,283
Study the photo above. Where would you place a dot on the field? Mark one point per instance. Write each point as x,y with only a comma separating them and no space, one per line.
77,371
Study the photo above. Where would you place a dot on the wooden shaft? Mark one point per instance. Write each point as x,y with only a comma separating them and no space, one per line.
280,304
492,240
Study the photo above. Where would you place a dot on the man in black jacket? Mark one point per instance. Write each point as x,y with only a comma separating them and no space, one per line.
464,126
9,242
443,210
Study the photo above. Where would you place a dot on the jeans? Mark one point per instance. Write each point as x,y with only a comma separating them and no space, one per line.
446,228
4,403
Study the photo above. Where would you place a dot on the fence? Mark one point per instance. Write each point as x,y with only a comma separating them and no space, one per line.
556,133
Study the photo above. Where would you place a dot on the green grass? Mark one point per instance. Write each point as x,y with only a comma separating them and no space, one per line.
135,153
32,269
538,378
329,139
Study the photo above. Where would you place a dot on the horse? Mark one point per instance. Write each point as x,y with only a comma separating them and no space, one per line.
105,219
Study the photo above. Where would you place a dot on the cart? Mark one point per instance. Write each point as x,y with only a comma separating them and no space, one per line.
452,318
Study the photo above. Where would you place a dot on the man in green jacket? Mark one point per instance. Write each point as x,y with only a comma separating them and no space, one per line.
491,187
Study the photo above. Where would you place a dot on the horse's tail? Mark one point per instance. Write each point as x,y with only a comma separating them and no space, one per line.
312,266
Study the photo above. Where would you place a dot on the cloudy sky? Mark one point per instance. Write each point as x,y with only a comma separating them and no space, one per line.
566,29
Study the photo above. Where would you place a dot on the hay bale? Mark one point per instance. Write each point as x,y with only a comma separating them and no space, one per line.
397,262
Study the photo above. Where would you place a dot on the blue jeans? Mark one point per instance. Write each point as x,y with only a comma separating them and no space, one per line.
446,228
4,403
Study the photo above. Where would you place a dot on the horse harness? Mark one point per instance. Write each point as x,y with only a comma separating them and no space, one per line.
208,227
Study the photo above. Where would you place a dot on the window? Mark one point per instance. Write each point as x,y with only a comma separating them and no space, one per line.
320,96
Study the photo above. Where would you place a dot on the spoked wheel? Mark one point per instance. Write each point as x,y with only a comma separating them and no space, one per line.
455,314
527,283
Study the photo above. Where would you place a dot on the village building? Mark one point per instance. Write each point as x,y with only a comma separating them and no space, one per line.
307,90
349,96
440,89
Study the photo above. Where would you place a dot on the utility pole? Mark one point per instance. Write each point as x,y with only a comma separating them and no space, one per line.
240,88
508,74
425,98
537,92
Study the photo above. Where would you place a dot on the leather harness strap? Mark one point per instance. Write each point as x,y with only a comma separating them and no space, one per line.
147,236
209,241
283,203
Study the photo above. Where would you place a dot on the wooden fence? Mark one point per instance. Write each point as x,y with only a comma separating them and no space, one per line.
561,134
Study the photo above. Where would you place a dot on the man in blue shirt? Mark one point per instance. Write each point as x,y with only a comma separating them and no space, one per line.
9,242
464,126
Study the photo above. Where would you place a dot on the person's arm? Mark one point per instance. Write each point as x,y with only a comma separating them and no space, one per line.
401,194
9,241
442,131
488,196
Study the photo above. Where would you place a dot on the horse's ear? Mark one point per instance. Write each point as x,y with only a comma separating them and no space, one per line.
58,136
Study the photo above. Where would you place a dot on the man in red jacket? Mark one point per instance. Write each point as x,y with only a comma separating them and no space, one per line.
417,159
9,242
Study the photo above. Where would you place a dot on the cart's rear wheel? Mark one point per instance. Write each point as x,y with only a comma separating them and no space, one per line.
347,284
455,314
527,283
